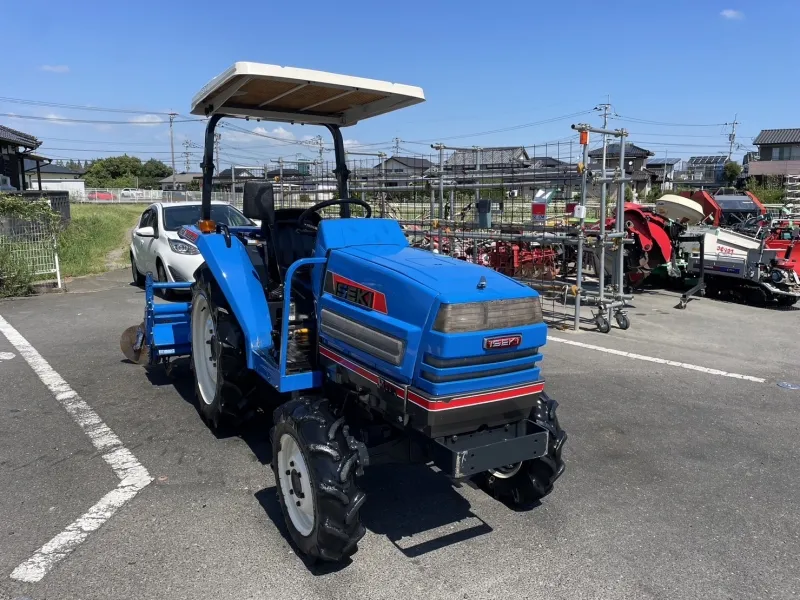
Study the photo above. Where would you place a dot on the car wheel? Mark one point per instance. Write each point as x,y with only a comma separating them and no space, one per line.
138,278
161,274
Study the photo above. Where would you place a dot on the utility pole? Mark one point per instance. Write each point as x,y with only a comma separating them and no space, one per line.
217,138
280,174
603,209
732,136
397,146
172,116
187,144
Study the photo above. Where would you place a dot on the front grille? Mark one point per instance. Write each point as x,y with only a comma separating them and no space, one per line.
498,361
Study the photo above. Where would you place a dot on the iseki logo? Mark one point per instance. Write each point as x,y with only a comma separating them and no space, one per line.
356,295
505,341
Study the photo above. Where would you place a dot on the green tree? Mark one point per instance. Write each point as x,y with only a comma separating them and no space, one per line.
152,172
732,171
628,194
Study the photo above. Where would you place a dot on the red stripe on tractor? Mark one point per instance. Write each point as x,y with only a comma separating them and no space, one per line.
461,401
369,375
457,402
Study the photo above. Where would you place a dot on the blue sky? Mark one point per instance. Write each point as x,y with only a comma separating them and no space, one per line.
483,68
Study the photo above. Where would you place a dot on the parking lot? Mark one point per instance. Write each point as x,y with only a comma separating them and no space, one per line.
682,473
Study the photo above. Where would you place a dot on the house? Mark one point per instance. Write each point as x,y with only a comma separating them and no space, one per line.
636,157
399,170
665,168
706,169
404,166
15,148
182,181
545,162
749,157
499,159
778,153
54,177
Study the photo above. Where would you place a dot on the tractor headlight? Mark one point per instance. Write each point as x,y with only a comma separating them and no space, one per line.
482,316
181,247
777,276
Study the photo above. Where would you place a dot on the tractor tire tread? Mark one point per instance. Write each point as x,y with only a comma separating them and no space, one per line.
337,528
325,449
535,479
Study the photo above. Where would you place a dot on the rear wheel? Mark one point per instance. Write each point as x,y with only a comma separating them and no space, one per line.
315,462
218,362
524,484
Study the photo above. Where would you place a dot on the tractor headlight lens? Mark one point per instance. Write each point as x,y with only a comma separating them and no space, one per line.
181,247
777,276
482,316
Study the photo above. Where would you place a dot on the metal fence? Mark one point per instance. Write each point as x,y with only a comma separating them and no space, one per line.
31,245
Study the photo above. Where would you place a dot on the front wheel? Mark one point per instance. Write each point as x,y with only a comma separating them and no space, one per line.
138,278
526,483
314,461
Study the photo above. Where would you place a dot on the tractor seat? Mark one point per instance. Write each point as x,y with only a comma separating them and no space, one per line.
283,243
286,244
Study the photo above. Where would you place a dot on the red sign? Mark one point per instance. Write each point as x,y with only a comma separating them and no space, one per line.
358,294
503,341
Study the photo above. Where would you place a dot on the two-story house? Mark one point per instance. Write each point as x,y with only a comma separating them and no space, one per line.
400,170
778,153
665,169
635,165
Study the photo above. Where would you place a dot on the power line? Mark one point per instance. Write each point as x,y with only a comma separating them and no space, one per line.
81,107
663,123
501,130
66,120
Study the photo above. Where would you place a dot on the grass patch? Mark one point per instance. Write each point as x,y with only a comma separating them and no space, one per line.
93,233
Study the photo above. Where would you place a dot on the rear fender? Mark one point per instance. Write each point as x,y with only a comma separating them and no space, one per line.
239,284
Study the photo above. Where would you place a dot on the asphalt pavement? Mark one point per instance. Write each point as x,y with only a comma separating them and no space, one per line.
680,483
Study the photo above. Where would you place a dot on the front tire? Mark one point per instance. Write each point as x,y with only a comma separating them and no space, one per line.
526,484
161,275
314,461
138,278
218,362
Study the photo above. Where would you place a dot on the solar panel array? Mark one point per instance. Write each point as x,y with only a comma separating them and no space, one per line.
708,160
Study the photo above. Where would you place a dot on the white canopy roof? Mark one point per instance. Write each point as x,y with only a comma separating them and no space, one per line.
294,95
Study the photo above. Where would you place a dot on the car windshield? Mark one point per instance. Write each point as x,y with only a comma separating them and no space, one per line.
176,217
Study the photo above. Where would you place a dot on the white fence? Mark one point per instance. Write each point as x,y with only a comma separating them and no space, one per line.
32,245
288,192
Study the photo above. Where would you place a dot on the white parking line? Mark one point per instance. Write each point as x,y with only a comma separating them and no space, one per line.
133,476
661,361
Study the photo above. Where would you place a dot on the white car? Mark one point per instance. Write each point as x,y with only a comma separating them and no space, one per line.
157,248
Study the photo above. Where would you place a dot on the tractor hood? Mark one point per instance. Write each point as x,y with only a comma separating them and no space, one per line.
455,280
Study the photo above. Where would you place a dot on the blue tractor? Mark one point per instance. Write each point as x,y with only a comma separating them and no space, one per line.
365,350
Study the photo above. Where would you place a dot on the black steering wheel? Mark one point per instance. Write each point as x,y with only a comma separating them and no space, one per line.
302,223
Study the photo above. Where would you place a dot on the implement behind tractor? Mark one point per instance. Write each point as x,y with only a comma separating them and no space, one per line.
364,349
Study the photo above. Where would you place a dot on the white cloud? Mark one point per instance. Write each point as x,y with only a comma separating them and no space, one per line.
55,119
262,136
147,120
731,14
55,68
